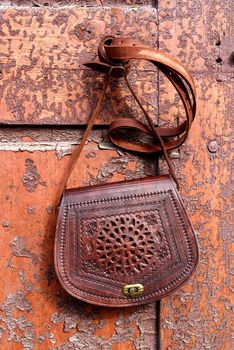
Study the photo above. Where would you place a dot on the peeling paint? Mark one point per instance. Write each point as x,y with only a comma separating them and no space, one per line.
75,315
73,3
195,317
19,248
35,146
19,329
27,285
31,179
58,320
48,83
31,210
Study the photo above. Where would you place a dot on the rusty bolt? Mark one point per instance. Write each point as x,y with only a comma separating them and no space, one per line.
213,146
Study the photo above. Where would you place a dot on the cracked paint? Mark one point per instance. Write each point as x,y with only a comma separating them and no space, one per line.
56,320
198,33
19,247
31,179
43,77
19,328
42,81
58,3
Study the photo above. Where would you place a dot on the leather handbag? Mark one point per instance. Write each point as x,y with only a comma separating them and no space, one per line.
131,242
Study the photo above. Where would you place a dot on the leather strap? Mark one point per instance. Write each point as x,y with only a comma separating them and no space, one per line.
120,51
115,55
77,151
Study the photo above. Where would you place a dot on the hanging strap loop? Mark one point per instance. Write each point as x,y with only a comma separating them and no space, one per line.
115,55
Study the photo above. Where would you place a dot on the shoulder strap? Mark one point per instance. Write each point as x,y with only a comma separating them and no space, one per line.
77,151
124,50
115,55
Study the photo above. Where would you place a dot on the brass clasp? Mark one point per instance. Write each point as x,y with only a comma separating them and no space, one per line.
133,290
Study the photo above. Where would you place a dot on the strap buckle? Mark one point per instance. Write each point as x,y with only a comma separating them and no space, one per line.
117,71
106,64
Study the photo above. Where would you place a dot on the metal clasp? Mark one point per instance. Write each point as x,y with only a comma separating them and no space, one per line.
133,290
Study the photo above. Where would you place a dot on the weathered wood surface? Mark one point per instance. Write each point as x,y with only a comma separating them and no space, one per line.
199,316
39,86
199,34
58,3
45,83
35,312
43,80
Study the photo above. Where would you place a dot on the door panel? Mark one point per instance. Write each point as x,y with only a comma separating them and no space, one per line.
199,33
43,79
42,47
36,313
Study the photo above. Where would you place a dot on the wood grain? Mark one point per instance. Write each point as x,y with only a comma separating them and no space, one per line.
43,80
35,312
58,3
199,33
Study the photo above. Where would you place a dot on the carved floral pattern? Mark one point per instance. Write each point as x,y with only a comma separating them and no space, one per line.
125,244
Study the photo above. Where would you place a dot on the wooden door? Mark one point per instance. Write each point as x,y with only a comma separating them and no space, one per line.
46,96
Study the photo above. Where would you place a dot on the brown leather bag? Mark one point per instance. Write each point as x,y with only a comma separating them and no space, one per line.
128,243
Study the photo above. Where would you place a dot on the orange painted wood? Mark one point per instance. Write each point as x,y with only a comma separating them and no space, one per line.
35,312
57,3
199,316
43,80
199,33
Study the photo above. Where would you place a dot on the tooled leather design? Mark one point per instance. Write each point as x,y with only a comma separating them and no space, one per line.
82,219
155,248
126,244
94,243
